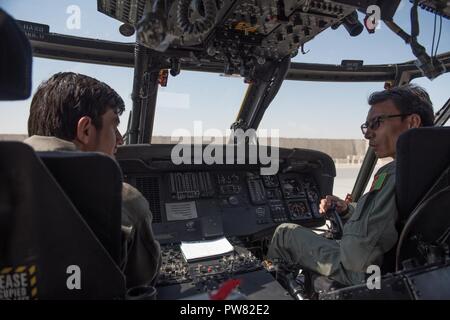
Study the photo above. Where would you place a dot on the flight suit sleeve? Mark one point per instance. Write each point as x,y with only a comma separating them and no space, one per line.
143,257
350,211
370,231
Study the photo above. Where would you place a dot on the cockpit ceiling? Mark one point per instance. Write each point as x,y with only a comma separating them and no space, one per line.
130,11
439,7
238,33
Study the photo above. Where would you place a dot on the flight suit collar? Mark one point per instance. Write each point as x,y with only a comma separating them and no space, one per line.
388,168
43,143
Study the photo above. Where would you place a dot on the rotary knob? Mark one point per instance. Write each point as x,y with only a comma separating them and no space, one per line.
233,200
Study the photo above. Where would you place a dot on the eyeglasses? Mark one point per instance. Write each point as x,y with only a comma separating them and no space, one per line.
374,123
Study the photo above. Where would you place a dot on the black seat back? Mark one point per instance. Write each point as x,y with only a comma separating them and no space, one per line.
422,156
93,182
15,60
43,238
422,188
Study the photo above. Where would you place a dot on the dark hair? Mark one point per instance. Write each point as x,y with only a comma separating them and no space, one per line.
408,99
66,97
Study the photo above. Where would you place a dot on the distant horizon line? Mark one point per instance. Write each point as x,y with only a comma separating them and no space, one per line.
204,137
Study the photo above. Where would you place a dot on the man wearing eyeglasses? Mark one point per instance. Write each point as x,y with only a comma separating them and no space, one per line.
370,229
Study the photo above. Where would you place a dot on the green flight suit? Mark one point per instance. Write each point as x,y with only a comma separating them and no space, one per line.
368,234
141,256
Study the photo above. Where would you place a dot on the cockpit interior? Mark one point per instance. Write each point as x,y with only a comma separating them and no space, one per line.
233,197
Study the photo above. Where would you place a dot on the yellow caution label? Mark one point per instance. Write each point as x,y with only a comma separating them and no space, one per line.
18,283
246,27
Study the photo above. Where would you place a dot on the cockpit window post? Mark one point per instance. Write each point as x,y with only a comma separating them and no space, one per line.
145,91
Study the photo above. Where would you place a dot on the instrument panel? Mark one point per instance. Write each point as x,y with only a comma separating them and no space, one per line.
286,197
194,202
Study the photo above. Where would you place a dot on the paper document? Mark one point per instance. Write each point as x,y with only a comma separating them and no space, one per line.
203,249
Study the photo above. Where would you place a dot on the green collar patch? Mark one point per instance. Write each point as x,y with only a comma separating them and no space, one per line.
378,181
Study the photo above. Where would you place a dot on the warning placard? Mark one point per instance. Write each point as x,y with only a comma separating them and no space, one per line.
18,283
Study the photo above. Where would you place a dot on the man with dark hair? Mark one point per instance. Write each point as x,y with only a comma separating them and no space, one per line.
370,229
67,105
73,112
409,99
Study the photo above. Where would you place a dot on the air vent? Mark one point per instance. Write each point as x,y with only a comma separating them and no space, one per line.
149,187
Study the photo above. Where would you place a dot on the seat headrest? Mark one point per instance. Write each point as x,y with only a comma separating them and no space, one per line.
422,156
15,60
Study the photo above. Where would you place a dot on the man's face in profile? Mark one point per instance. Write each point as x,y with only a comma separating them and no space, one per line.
383,132
109,137
105,140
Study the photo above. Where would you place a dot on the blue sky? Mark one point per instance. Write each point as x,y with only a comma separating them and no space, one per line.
301,109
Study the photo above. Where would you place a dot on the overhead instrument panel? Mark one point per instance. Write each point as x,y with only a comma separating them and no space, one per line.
240,34
439,7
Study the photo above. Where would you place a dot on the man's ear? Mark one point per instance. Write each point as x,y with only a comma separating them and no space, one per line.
85,131
415,121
